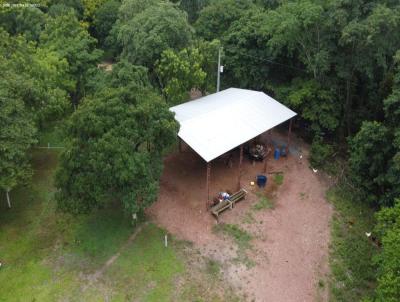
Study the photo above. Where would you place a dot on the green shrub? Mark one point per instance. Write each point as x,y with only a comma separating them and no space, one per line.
320,152
388,228
278,178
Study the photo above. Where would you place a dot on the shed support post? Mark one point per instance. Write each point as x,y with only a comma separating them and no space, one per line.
208,184
288,137
266,159
240,166
265,163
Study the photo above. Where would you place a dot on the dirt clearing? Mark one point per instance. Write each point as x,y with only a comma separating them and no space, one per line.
286,224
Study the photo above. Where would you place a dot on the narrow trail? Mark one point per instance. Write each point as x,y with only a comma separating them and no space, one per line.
98,273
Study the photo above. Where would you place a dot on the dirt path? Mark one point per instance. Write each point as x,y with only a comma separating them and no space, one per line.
290,242
97,274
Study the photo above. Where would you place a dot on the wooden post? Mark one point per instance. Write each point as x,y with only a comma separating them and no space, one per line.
240,166
288,137
266,159
208,184
180,145
265,163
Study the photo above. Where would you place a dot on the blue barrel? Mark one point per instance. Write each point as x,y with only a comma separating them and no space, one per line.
277,153
261,180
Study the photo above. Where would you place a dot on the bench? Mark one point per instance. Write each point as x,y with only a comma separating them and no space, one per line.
238,196
220,207
228,203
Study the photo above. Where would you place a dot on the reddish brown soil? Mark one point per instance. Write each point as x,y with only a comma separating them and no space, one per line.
290,245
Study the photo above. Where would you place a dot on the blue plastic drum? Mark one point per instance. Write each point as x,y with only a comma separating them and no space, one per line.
277,153
261,180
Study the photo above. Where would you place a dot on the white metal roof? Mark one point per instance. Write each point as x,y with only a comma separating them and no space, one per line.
214,124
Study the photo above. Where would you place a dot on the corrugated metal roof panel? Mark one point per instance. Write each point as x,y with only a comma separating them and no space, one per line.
214,124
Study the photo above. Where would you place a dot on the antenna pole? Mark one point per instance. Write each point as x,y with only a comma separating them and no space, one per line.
219,68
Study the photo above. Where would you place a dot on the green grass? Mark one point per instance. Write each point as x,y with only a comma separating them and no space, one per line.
242,239
248,218
263,203
278,178
213,268
50,256
147,269
240,236
52,134
352,267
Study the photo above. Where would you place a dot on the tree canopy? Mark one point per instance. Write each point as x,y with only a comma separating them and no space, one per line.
335,62
71,41
150,32
118,138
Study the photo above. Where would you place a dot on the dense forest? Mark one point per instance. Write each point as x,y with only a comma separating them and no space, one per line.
335,62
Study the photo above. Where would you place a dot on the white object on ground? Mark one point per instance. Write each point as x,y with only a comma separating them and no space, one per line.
368,234
315,170
251,183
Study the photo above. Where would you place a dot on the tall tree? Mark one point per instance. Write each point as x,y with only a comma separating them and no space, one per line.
35,76
66,36
193,8
375,152
17,135
179,73
216,18
150,32
247,58
299,28
104,19
117,141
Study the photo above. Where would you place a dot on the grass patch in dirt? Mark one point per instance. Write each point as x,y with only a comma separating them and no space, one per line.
278,178
242,239
213,268
248,218
351,253
264,202
49,256
240,236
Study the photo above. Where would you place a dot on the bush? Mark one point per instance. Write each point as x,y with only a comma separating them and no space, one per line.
320,152
388,228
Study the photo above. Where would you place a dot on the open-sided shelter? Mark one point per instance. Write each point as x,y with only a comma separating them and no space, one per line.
217,123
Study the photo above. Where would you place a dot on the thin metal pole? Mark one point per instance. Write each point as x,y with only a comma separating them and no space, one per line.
219,68
208,184
288,138
8,198
240,166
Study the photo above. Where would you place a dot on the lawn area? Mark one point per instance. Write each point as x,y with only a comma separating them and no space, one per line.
52,256
351,259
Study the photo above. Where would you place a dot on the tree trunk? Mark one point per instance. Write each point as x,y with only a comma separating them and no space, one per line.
8,198
348,106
